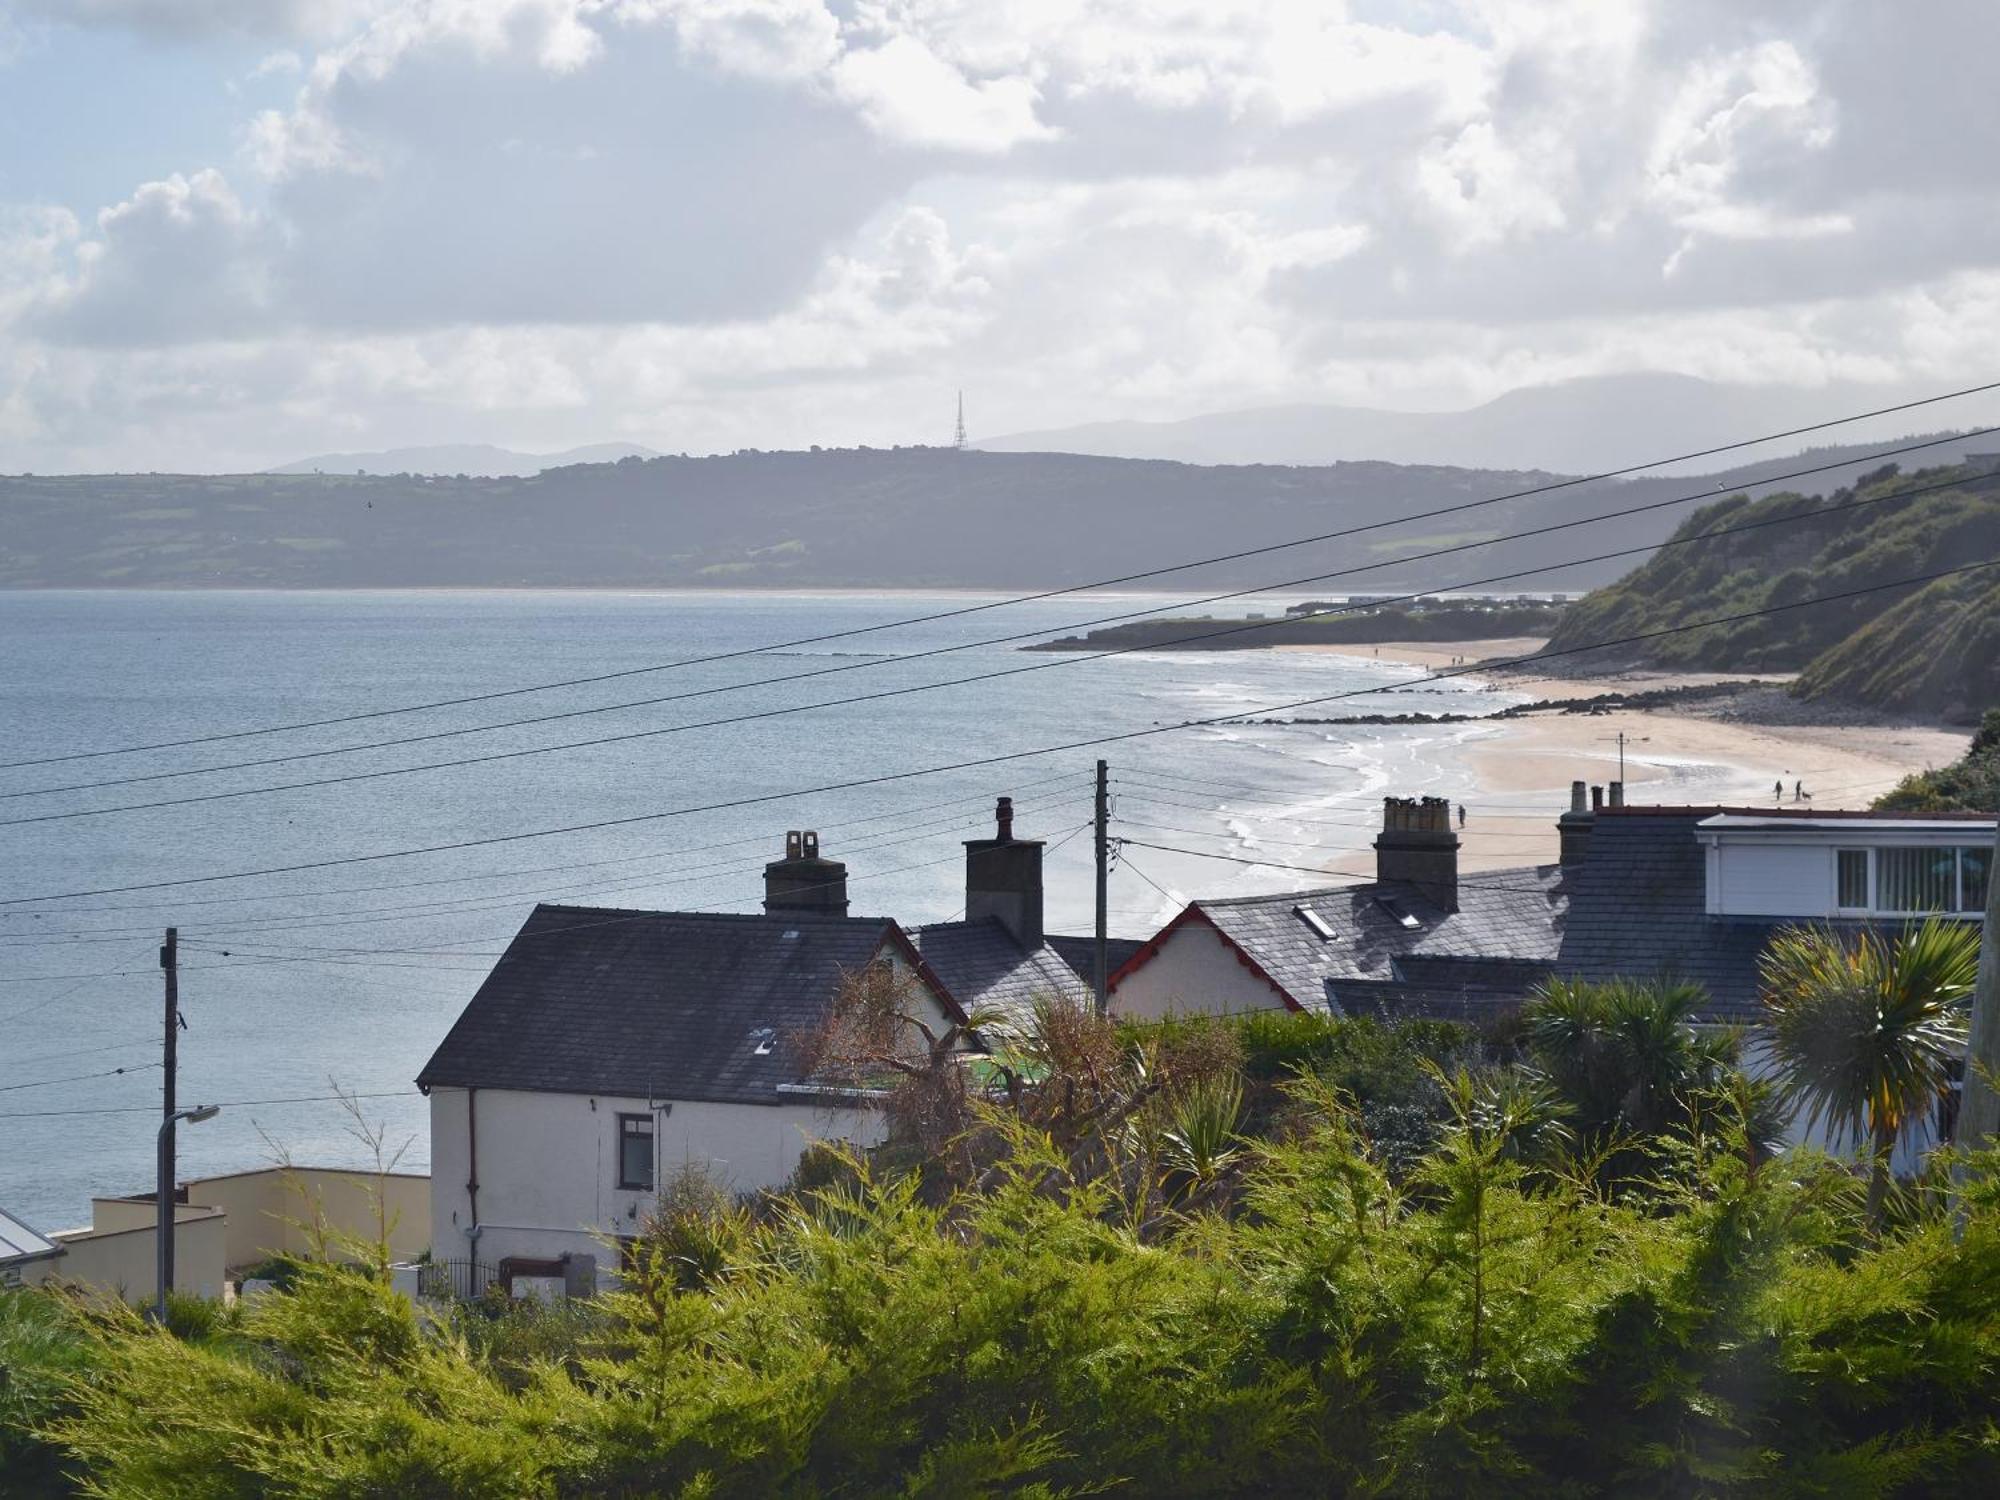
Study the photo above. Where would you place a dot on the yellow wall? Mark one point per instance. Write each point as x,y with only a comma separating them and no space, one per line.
291,1210
120,1262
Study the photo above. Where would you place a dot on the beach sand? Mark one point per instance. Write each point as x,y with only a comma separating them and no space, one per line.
1526,764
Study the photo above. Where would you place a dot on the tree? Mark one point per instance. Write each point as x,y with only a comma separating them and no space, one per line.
1864,1030
1625,1055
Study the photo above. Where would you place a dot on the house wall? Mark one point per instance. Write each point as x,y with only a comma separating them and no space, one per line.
1776,880
121,1262
1780,872
548,1163
1194,972
1905,1161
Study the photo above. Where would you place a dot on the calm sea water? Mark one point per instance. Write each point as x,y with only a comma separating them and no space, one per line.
294,983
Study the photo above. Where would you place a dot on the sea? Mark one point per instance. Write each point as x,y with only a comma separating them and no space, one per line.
320,956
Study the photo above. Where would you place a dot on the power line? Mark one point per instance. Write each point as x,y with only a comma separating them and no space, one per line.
47,1083
1060,661
976,762
981,799
951,649
1273,864
495,900
1102,583
43,1114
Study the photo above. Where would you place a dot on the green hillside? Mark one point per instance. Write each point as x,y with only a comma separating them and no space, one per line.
1934,650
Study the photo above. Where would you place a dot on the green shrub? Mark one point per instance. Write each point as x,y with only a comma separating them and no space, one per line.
41,1352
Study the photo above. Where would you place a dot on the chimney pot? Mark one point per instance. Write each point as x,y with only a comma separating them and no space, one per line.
1576,797
803,881
1003,879
1597,799
1417,846
1617,794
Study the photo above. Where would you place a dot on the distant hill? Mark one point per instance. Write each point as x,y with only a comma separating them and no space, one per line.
1577,427
475,460
868,518
1933,650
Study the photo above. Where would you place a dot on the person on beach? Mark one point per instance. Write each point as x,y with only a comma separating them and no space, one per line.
1778,792
1461,815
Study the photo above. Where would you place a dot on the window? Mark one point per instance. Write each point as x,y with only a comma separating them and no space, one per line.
1925,879
1975,868
635,1152
1916,880
1852,889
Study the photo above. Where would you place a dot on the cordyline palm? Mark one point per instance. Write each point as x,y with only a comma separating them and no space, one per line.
1625,1054
1864,1030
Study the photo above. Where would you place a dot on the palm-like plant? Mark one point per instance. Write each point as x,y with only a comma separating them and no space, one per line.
1626,1055
1864,1030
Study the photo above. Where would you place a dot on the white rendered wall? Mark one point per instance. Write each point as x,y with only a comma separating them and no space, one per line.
1905,1161
1193,973
1775,880
548,1163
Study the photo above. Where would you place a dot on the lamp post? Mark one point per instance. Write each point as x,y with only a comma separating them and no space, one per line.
163,1201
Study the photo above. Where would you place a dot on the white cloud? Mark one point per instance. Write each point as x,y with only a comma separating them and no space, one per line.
725,222
908,93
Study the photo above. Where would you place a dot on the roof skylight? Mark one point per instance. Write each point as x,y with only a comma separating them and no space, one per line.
1315,921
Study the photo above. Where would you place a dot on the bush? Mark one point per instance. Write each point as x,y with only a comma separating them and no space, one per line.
41,1353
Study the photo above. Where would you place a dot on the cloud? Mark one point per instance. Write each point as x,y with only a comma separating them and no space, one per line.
181,259
728,222
906,92
196,20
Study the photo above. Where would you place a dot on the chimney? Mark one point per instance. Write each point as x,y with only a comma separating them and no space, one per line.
1003,879
803,882
1617,793
1416,845
1574,827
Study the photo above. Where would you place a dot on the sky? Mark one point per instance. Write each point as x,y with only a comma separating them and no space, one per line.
238,232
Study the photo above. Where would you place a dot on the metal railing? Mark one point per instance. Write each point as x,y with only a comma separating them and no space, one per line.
455,1280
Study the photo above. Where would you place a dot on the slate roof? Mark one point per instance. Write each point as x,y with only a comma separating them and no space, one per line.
983,967
1080,953
1506,919
1638,909
672,1005
20,1244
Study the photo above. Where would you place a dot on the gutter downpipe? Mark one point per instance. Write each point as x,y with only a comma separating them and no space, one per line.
472,1165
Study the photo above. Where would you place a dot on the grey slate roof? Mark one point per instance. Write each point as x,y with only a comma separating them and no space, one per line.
1638,909
20,1244
1505,919
983,967
672,1005
1080,953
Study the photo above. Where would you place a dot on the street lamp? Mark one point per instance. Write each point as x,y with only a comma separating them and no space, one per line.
163,1202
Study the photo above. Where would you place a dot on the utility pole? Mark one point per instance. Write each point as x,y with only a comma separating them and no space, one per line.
1102,820
163,1221
1978,1104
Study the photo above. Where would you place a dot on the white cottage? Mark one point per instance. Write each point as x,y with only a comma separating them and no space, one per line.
608,1049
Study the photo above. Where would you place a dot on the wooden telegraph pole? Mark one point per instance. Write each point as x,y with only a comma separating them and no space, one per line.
163,1183
1979,1105
1102,821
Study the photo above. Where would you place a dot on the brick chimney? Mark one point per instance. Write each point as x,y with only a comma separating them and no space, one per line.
1574,826
1416,845
804,882
1003,879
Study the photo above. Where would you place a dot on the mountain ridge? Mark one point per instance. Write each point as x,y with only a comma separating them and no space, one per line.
474,460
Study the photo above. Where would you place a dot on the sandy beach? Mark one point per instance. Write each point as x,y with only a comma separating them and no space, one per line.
1523,764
